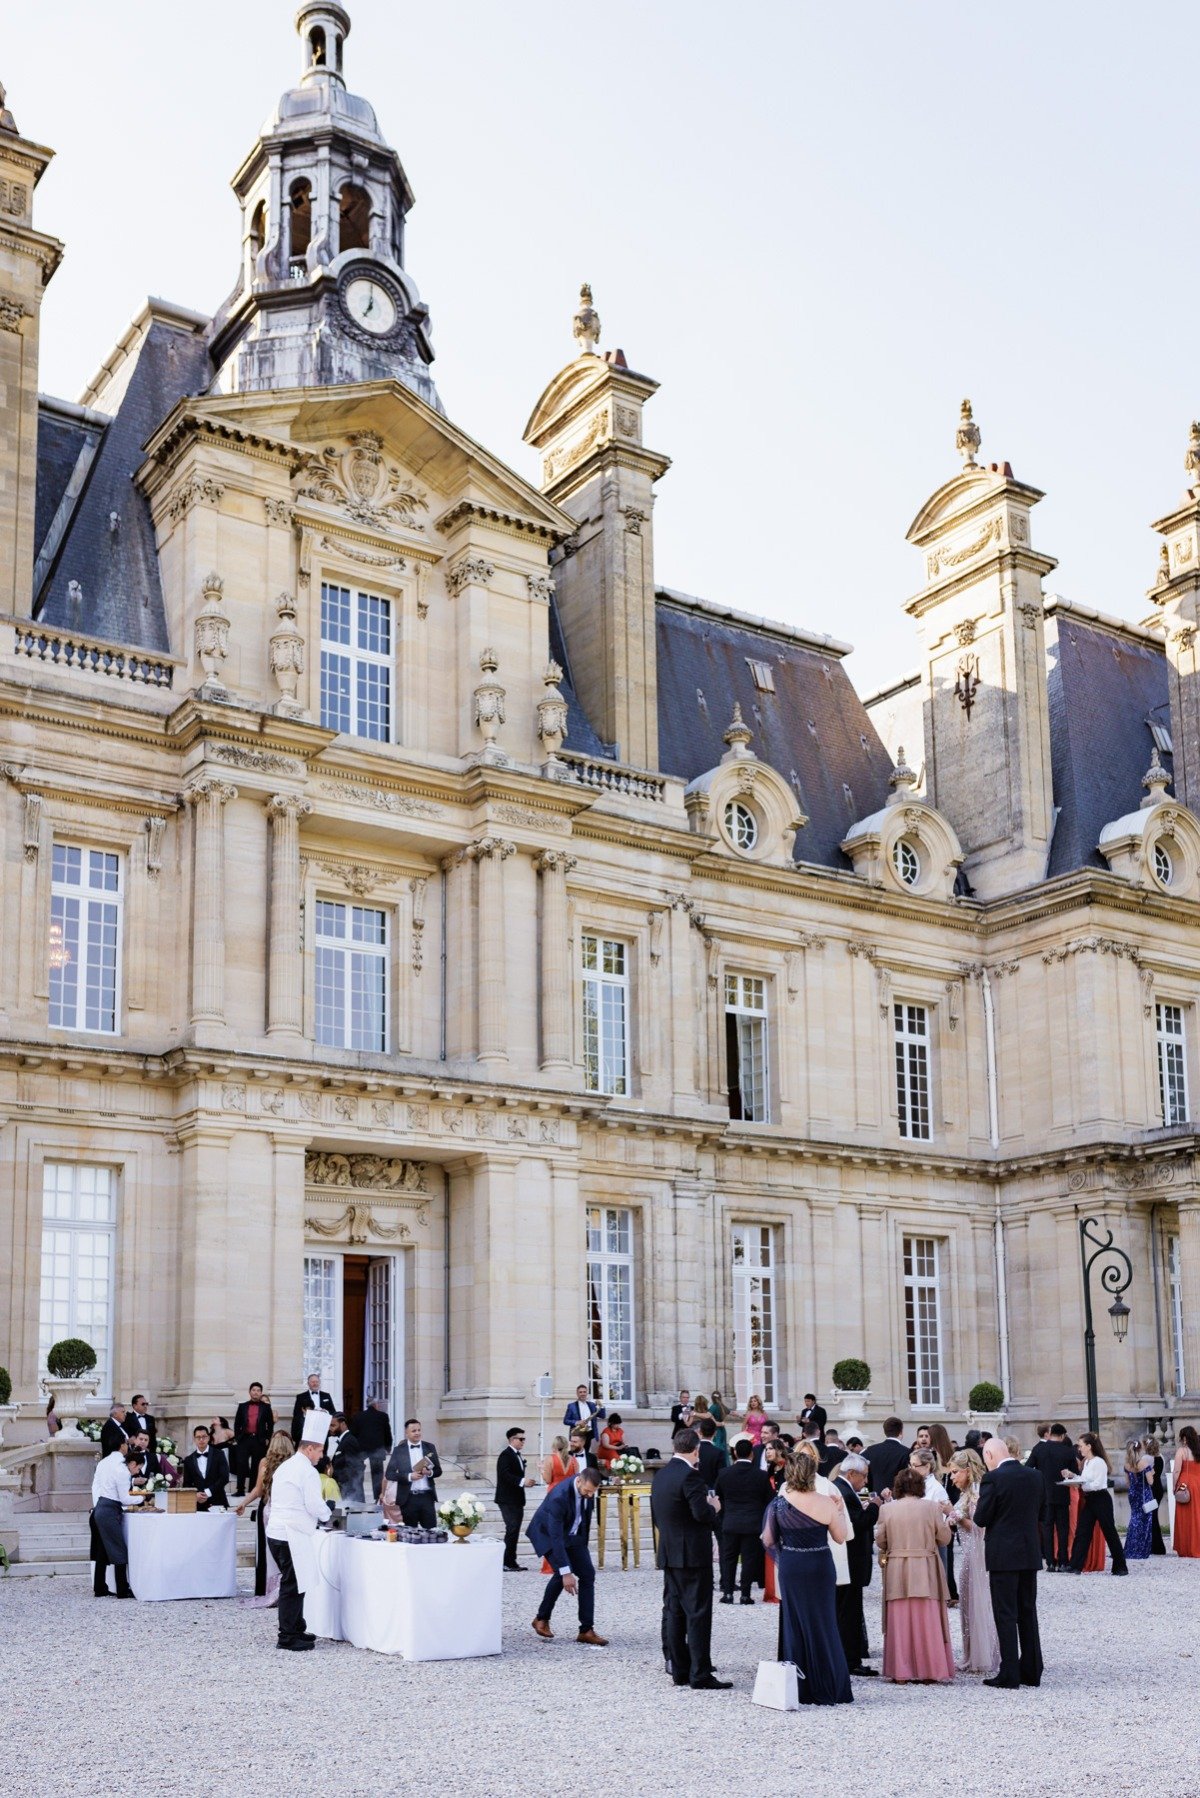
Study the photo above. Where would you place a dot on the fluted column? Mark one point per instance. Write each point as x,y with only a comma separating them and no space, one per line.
209,798
285,988
1189,1268
491,853
554,865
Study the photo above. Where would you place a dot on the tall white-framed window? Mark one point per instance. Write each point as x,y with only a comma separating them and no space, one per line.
746,1047
322,1321
910,1025
612,1362
1172,1062
79,1225
605,1014
356,662
1175,1290
754,1365
85,939
351,976
923,1319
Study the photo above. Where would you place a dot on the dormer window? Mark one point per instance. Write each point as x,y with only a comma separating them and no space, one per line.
354,219
741,825
1164,867
906,862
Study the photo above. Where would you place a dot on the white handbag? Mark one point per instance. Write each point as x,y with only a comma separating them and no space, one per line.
776,1686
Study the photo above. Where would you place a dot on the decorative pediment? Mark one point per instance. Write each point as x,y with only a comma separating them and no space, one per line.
358,479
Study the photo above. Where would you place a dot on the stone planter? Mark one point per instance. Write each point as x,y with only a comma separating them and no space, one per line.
991,1421
8,1414
849,1408
70,1402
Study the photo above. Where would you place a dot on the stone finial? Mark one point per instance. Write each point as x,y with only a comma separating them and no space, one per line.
286,652
1163,573
902,779
489,709
1156,780
7,122
212,635
552,721
967,438
1191,460
586,323
738,737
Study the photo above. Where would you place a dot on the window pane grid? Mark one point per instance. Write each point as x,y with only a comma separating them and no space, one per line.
1175,1281
356,663
910,1023
605,1015
78,1212
746,1044
85,939
753,1259
922,1320
351,976
610,1322
1172,1063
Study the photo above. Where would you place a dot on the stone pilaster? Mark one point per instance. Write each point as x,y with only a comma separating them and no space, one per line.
285,997
554,865
201,1329
1189,1267
208,798
491,853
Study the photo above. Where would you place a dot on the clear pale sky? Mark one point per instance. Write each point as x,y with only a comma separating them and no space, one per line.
818,226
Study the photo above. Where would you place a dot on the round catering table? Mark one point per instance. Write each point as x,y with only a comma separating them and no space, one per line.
427,1602
181,1556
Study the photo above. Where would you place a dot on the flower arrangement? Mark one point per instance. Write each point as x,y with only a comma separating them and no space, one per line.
91,1428
156,1482
627,1467
462,1513
166,1446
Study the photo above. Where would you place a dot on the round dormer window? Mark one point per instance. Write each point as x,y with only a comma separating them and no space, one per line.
906,862
1164,866
741,825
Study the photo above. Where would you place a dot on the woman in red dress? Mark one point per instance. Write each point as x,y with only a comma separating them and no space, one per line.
559,1465
611,1443
1185,1478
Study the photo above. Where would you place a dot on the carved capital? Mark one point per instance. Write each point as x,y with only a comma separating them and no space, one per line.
288,805
469,571
555,861
218,791
492,848
11,313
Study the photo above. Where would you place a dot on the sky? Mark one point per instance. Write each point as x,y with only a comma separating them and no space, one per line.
817,226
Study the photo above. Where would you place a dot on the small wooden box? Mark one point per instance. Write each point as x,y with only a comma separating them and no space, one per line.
181,1501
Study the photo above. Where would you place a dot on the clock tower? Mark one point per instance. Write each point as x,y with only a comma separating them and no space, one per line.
323,298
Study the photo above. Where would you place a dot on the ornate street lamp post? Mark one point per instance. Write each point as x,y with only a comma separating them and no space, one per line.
1115,1278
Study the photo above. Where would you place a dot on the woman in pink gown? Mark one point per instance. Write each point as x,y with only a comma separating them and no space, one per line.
916,1622
981,1645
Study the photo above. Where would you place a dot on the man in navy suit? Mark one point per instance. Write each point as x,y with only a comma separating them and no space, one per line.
558,1530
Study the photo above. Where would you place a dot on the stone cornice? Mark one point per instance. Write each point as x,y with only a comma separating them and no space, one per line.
167,446
467,511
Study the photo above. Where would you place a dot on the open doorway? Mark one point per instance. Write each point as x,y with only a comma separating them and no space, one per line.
353,1327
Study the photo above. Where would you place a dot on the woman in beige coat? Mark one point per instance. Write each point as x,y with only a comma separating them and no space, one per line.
916,1623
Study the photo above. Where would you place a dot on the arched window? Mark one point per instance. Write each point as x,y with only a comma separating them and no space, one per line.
258,229
354,219
301,202
316,47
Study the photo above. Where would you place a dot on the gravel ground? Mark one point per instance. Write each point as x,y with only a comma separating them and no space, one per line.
85,1680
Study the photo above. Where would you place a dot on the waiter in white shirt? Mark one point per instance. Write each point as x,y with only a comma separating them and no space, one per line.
110,1495
296,1504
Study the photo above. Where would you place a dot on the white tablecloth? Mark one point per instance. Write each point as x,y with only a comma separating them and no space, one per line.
182,1557
435,1602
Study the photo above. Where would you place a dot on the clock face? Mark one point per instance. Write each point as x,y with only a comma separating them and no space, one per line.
370,305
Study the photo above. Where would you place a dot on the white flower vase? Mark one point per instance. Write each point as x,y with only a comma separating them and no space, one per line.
991,1421
850,1409
70,1399
8,1414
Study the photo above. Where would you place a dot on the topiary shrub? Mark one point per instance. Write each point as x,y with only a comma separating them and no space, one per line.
5,1385
985,1395
70,1359
851,1375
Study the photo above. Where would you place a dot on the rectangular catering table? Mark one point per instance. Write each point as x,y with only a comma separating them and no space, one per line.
181,1556
426,1602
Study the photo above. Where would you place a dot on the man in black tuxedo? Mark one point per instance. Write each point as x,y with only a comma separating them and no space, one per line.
253,1423
139,1418
1009,1511
710,1460
851,1481
1052,1458
886,1458
346,1459
373,1427
745,1492
311,1399
206,1471
770,1433
685,1515
813,1417
509,1497
115,1434
414,1467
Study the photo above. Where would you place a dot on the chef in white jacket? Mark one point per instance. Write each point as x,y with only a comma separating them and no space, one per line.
296,1505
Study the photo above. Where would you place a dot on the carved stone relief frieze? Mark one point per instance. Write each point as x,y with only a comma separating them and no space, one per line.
360,481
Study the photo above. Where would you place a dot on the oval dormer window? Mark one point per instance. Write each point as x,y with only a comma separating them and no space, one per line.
906,862
1164,867
742,825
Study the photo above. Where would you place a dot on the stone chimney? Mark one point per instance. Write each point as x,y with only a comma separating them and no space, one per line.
987,726
1176,596
28,259
588,428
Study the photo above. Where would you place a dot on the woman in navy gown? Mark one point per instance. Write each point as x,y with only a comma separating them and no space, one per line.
799,1525
1139,1466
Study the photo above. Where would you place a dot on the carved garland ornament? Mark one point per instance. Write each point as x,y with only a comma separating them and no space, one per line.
953,558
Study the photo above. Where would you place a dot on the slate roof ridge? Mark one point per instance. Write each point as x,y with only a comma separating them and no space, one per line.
155,311
1106,621
789,633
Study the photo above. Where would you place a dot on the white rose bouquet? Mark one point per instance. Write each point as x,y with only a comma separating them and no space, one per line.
627,1467
91,1429
156,1482
166,1445
463,1512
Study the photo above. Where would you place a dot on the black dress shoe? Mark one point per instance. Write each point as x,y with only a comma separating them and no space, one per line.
712,1684
680,1682
514,1567
727,1598
746,1599
299,1647
1005,1685
1031,1682
1120,1572
864,1673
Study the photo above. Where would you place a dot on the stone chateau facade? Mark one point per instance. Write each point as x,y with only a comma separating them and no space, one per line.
438,954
